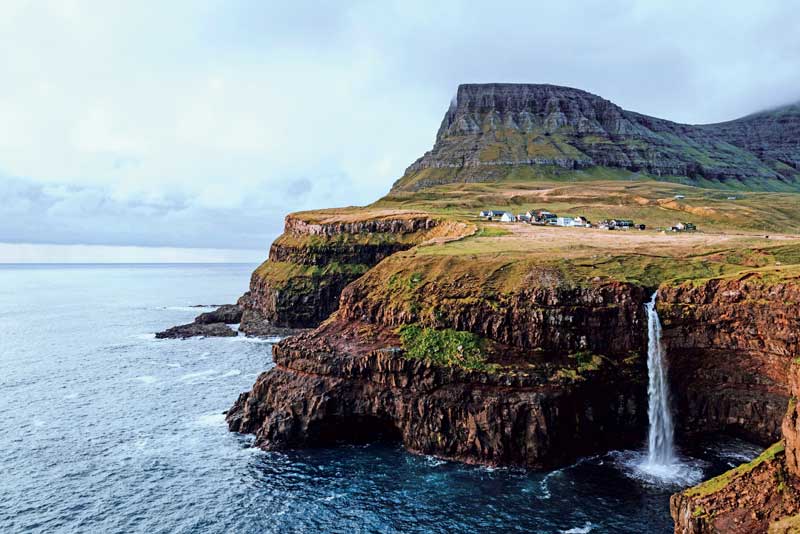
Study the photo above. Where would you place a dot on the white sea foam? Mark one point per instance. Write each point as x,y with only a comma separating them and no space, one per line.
250,339
587,527
198,375
71,396
232,372
146,379
173,365
682,472
544,486
433,461
145,336
198,309
212,419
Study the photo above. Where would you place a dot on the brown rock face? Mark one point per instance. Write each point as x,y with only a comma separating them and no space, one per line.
311,263
759,497
730,343
751,499
791,424
319,394
606,319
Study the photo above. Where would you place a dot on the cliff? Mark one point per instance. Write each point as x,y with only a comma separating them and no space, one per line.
516,344
350,380
762,496
320,253
733,339
492,131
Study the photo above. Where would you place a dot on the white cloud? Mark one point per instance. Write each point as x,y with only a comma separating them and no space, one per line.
205,114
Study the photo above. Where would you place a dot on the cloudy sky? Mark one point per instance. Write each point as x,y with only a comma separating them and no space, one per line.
201,123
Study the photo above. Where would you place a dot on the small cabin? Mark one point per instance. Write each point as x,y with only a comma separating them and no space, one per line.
507,217
523,217
679,197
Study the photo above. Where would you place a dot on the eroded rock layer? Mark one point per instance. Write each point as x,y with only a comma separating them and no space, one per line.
314,260
762,496
323,392
730,344
492,129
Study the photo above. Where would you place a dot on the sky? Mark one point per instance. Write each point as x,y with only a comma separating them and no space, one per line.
199,124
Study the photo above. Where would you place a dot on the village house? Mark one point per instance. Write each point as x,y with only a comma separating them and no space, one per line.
544,217
523,217
617,224
581,221
684,227
507,217
491,214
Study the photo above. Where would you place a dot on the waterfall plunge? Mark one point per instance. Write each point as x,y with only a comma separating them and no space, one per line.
660,447
660,464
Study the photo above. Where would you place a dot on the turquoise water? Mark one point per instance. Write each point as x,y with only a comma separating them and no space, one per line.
106,429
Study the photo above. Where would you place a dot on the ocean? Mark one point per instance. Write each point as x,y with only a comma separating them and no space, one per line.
106,429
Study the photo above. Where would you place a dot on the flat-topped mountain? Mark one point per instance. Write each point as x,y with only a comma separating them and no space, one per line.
492,130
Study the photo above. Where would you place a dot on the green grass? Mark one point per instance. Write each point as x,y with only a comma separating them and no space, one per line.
716,484
447,347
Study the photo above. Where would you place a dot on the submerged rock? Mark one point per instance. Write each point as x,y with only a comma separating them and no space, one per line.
227,313
209,324
197,329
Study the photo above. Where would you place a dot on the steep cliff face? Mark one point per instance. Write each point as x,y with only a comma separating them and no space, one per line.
345,383
762,496
730,344
532,309
492,129
316,257
771,135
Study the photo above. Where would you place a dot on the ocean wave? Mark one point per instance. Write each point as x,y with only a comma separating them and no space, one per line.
212,419
587,527
198,309
198,375
146,379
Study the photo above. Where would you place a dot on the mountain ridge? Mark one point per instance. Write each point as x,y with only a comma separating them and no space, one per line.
490,129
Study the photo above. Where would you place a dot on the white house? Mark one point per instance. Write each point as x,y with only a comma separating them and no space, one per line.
491,214
581,222
507,217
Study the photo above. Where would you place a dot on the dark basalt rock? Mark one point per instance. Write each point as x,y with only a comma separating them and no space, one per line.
210,324
197,329
227,313
491,128
319,395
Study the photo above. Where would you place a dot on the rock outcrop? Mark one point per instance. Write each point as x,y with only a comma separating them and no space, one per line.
314,260
492,129
210,324
185,331
762,496
346,383
730,344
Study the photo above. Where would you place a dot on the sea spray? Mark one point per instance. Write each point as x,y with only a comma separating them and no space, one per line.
660,443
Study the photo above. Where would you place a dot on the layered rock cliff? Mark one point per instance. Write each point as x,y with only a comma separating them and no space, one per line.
539,405
492,129
730,343
317,256
762,496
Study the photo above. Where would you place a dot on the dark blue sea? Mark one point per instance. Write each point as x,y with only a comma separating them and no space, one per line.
106,429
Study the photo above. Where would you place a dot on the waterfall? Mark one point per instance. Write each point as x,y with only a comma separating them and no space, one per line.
660,447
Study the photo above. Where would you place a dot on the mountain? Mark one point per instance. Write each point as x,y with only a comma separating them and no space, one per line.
492,130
